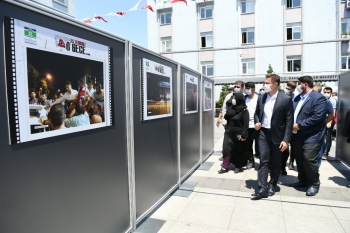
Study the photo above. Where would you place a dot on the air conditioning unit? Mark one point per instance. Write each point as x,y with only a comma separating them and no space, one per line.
348,4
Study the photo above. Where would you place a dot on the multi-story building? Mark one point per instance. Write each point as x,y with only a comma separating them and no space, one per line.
209,26
64,6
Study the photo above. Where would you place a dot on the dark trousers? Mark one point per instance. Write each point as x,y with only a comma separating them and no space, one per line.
285,155
328,139
250,144
270,154
306,157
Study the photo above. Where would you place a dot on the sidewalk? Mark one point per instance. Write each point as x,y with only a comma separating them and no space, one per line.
221,202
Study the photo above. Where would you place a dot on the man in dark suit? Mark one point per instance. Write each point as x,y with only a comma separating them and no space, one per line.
310,109
274,119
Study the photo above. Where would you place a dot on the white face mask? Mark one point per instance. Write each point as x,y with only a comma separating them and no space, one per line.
327,95
287,92
267,88
262,92
237,90
233,101
299,89
248,91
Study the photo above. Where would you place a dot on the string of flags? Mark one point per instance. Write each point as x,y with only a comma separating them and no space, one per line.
134,8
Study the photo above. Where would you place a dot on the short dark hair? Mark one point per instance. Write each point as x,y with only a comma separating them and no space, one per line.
89,81
68,83
250,84
78,108
291,84
240,83
99,107
82,80
328,89
274,78
98,84
56,114
307,79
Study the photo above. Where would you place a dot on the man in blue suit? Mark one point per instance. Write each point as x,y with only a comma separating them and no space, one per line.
308,131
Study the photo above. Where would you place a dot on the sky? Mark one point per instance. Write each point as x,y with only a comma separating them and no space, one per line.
132,26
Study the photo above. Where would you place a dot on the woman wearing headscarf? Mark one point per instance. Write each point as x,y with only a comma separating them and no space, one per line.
235,146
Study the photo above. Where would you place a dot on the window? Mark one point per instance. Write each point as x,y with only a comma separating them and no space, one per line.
63,2
293,31
294,64
206,11
247,6
207,68
293,3
247,35
345,26
166,44
165,18
248,66
345,61
206,39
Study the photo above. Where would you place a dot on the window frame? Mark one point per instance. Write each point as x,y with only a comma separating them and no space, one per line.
292,7
206,35
164,13
292,59
293,26
247,31
163,44
206,64
63,4
345,21
252,1
347,56
247,61
205,11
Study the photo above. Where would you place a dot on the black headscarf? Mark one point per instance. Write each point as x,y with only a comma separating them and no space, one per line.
232,110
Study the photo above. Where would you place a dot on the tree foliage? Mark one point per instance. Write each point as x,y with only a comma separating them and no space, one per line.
223,94
270,70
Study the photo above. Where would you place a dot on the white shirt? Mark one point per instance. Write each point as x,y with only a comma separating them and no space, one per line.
223,111
73,94
300,104
251,106
268,109
91,92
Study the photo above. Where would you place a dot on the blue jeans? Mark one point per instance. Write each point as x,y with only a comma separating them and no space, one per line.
320,153
328,139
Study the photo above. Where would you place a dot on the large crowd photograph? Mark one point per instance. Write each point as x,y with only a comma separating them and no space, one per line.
60,83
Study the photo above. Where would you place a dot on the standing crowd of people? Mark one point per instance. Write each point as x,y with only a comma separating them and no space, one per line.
280,125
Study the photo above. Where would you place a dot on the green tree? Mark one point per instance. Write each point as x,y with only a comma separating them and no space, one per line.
321,84
270,70
223,94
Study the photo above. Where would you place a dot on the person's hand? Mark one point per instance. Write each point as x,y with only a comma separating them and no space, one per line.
217,123
257,126
42,120
329,124
242,139
224,125
295,127
283,146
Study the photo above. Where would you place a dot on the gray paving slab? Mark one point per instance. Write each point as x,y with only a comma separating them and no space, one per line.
206,166
182,193
188,185
151,225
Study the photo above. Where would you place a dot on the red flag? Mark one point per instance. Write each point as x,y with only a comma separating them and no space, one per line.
174,1
100,18
121,13
148,7
87,21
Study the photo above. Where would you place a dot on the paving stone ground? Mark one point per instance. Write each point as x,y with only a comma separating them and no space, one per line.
221,202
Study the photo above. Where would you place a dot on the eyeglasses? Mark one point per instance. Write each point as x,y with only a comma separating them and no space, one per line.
236,87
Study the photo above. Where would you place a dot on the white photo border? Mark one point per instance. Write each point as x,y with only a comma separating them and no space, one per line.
193,80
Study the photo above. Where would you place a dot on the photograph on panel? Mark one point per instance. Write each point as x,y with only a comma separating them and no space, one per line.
62,82
190,94
157,90
208,95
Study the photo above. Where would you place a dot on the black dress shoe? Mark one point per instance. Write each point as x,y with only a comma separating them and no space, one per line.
221,171
297,184
312,191
284,172
291,166
258,196
271,191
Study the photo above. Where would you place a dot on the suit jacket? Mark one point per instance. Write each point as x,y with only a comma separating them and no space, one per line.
281,119
311,118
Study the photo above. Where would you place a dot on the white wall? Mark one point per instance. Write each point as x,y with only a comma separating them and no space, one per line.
70,9
153,28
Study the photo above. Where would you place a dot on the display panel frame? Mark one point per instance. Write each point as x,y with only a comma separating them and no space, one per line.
190,95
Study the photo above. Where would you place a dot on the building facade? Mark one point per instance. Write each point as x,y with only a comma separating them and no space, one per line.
221,24
64,6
